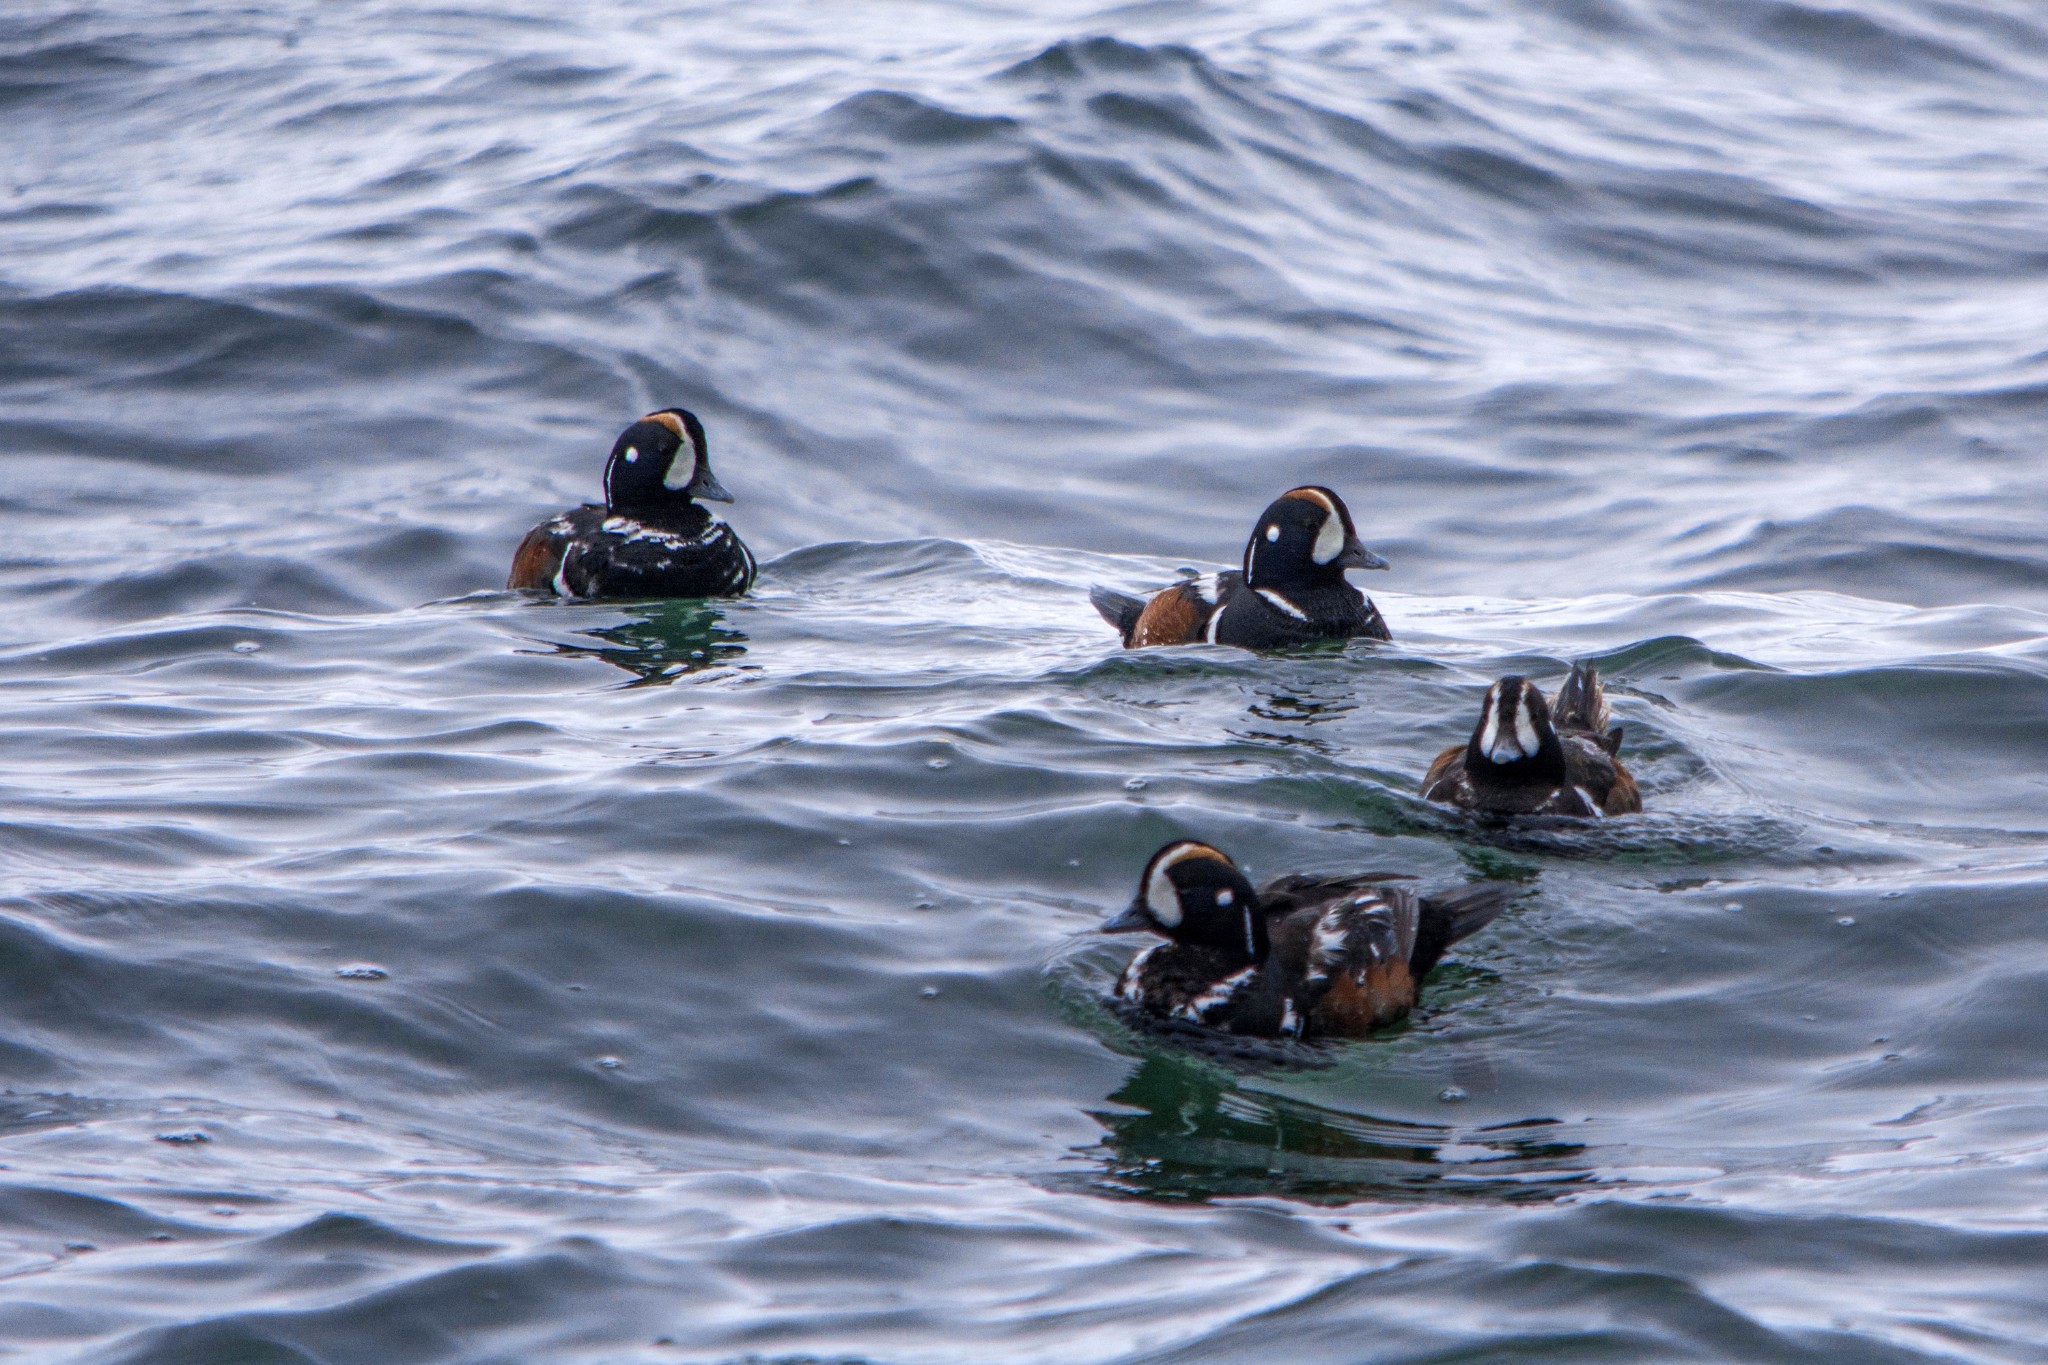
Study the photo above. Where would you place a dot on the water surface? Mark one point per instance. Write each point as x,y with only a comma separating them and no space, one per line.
394,969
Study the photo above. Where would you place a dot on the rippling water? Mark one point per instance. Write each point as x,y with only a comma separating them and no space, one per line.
393,969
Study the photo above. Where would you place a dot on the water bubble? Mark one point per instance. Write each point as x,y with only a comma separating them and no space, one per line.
1136,784
187,1138
80,1246
225,1211
1451,1094
1733,905
930,992
610,1063
1894,895
1073,862
361,971
936,764
246,646
846,843
1846,920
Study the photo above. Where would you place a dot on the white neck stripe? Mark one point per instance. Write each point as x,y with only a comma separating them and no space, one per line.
1277,600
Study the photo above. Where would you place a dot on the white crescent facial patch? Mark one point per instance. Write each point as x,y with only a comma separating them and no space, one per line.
682,468
1525,729
1329,540
1160,897
1503,748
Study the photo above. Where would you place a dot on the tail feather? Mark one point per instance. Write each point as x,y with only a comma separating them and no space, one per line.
1449,916
1468,909
1119,609
1581,703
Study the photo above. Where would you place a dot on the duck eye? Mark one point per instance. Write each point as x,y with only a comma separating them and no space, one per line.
1273,532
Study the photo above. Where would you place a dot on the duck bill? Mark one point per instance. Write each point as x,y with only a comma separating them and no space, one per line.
705,487
1356,556
1505,749
1131,920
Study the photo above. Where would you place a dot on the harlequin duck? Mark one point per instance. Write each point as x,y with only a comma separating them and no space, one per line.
1306,957
1526,759
650,538
1291,590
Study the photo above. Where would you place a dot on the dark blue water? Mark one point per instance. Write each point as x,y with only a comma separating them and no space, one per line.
393,969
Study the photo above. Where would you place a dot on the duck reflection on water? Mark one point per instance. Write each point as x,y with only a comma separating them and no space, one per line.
661,641
1185,1129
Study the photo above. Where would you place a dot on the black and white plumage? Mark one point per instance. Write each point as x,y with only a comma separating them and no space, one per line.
1527,758
1291,589
1307,956
652,537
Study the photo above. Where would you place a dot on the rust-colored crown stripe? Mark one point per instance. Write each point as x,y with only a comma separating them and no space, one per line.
669,420
1314,495
1189,849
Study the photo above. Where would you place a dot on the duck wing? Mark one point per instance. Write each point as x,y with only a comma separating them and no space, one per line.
1304,890
1349,958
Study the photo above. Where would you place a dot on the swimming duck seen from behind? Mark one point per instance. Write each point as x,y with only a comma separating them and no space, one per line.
1290,591
652,536
1307,956
1527,758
